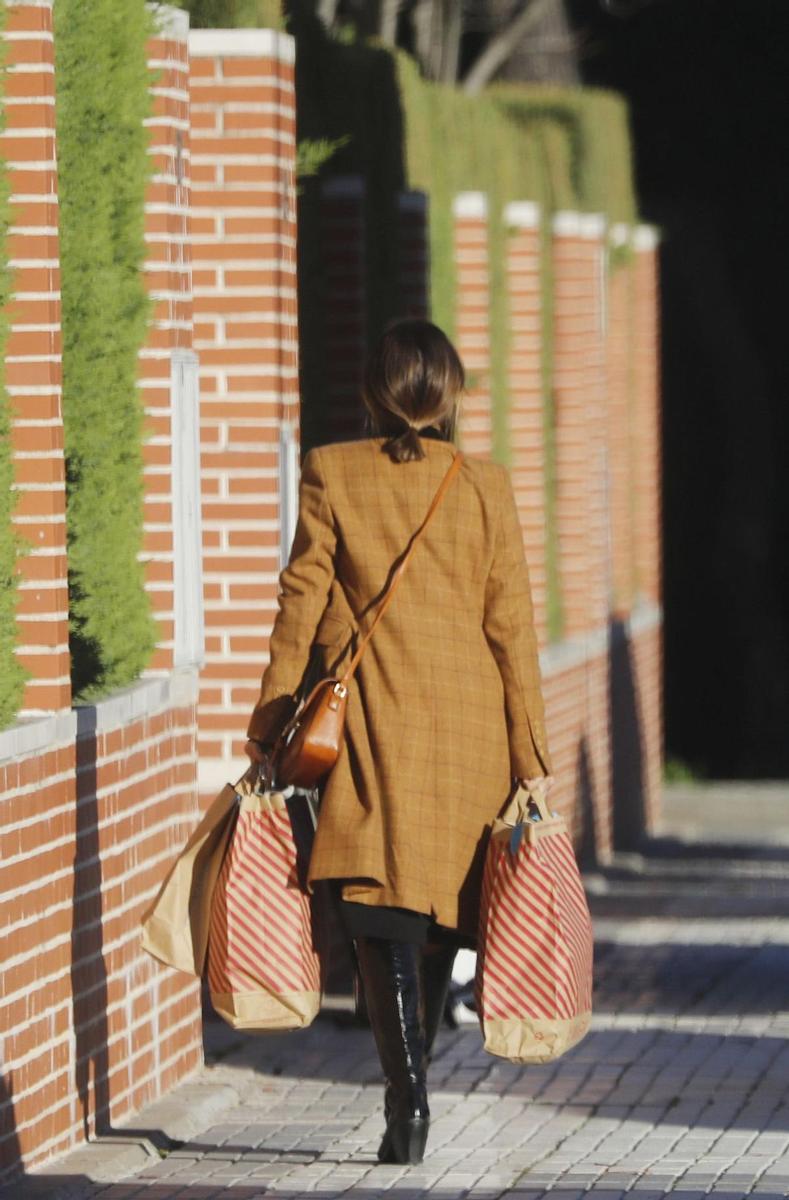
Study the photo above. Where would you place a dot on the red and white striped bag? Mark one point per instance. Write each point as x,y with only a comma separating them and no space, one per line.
534,961
264,970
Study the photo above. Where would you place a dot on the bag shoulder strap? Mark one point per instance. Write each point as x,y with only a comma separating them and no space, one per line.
386,599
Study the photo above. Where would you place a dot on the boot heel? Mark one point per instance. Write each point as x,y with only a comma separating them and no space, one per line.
408,1139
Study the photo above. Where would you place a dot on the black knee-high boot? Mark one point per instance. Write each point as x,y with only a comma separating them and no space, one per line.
437,962
393,991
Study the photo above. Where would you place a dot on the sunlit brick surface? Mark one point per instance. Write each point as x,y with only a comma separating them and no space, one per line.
244,258
33,353
473,319
646,433
168,273
527,399
94,810
579,401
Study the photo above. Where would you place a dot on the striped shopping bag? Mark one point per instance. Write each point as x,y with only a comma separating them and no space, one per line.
534,963
264,969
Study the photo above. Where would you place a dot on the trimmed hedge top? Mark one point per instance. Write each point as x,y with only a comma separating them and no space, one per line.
563,148
103,169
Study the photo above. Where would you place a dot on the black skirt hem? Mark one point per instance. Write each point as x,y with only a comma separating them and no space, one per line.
396,924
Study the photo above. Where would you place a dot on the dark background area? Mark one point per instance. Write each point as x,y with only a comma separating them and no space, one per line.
708,85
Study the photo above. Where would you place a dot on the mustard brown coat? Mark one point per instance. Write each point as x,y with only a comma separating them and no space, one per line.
445,708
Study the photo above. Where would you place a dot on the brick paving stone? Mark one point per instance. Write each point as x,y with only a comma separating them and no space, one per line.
680,1090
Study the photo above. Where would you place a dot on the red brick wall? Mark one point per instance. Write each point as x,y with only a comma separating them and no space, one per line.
527,400
647,658
32,364
137,1026
646,422
579,397
472,319
94,802
576,684
620,353
36,894
168,271
244,256
581,471
605,711
91,1028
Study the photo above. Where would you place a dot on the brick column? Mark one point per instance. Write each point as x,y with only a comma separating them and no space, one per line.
582,516
244,273
527,401
345,317
581,466
414,254
620,413
647,413
647,518
470,211
33,356
168,272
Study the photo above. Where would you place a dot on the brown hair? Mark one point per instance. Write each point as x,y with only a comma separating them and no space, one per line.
413,378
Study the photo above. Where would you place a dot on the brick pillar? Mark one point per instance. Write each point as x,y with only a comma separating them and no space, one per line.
579,397
647,414
244,273
582,502
470,210
620,413
33,356
345,316
527,401
168,272
414,254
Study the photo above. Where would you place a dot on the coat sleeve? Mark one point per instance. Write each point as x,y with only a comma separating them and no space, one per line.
509,628
303,590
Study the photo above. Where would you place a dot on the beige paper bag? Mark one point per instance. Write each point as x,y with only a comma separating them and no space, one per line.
265,968
175,926
535,948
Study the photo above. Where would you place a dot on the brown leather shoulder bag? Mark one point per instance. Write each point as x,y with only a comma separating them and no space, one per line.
309,745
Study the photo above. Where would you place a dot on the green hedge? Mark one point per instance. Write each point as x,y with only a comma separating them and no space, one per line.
233,14
12,674
103,168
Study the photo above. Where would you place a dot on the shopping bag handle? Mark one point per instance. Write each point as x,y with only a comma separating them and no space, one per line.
259,776
517,808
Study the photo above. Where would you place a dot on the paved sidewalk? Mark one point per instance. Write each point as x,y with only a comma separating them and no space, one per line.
681,1089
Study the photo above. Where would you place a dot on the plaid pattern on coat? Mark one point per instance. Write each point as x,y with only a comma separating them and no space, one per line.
445,707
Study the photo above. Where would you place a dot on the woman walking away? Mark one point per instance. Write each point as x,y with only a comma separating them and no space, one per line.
444,712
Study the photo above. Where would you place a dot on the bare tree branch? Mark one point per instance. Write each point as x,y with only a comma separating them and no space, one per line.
372,18
422,20
387,29
450,41
327,11
500,47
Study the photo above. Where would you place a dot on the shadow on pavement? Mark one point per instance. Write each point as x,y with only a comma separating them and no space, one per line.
627,741
654,1072
672,879
667,847
123,1191
691,979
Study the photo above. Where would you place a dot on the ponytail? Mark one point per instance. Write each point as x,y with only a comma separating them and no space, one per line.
405,446
413,380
